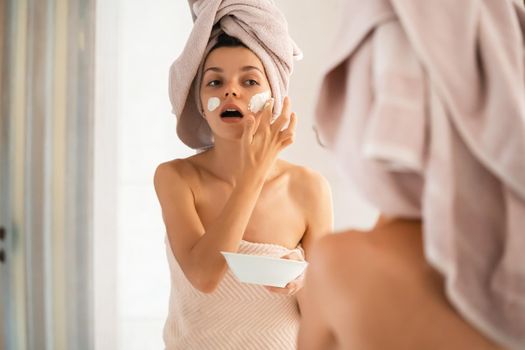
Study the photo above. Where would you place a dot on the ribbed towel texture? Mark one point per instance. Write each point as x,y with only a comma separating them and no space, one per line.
235,316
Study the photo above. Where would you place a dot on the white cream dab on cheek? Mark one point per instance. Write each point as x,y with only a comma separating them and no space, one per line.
258,100
213,103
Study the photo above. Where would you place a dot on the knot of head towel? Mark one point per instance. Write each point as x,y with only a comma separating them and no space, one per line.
259,25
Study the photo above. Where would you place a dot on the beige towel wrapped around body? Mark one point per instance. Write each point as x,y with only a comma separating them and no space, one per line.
236,315
423,103
256,23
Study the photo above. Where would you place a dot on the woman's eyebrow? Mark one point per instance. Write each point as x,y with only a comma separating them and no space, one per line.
247,68
215,69
244,69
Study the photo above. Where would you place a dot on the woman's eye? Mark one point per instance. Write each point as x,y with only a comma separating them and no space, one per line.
251,82
214,83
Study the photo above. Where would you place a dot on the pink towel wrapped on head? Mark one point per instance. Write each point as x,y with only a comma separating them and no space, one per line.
259,25
424,105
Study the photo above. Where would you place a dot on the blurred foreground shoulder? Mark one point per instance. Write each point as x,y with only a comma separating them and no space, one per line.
312,193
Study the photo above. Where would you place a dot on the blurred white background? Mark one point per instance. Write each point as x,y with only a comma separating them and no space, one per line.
148,38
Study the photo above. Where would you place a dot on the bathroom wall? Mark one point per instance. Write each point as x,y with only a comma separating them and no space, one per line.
149,38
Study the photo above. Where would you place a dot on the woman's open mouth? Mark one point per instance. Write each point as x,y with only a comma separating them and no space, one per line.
231,114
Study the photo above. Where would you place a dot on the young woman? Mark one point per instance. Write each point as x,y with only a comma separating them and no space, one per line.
237,196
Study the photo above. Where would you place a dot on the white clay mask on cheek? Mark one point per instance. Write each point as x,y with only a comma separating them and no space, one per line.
213,103
258,101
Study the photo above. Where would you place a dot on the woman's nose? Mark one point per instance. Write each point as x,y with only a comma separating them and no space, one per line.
230,90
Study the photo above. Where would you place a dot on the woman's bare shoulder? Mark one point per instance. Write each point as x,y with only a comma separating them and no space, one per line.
178,170
304,181
173,168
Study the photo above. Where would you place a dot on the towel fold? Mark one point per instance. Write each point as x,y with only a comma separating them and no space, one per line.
259,25
423,103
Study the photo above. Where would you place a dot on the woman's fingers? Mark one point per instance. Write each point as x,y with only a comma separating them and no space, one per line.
287,135
286,107
249,130
294,286
290,289
293,255
290,129
267,112
281,131
283,118
262,119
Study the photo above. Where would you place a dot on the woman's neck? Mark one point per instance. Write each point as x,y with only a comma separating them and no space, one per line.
225,160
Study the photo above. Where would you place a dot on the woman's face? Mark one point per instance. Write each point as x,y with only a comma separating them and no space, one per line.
231,77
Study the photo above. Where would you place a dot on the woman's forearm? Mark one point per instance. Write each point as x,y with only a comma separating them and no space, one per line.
224,233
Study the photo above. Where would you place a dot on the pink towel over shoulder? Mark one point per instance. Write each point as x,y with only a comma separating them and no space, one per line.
256,23
423,103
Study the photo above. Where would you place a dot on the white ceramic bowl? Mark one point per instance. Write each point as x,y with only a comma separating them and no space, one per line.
264,270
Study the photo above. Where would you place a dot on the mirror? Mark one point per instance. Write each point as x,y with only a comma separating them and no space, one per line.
149,40
100,133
